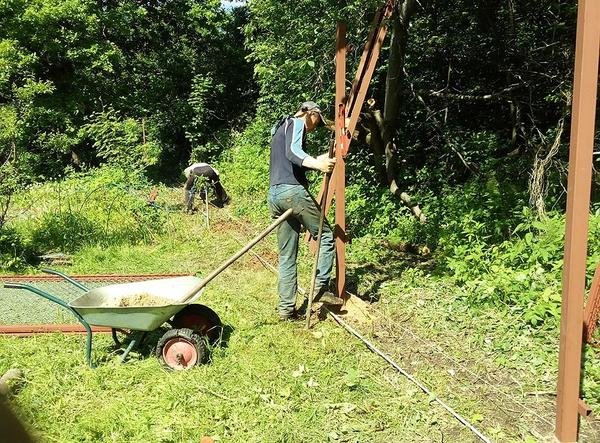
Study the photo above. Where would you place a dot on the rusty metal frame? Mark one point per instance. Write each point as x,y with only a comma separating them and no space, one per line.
341,147
28,330
361,82
592,307
367,64
576,230
569,406
349,107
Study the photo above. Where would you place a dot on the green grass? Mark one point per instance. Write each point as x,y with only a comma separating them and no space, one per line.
253,389
271,382
487,362
277,382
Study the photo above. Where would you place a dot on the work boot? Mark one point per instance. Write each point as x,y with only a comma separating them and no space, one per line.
327,298
291,316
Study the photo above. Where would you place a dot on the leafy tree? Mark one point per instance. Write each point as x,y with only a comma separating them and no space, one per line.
162,72
464,90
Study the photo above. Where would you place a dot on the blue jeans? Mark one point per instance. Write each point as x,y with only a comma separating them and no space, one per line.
306,213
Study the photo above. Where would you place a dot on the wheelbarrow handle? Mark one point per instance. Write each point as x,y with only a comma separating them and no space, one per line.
65,305
66,277
194,291
43,294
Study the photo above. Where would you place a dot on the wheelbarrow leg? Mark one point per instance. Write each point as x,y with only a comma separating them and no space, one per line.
127,350
88,345
134,341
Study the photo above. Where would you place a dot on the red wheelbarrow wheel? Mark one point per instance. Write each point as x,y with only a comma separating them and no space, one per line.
180,349
201,319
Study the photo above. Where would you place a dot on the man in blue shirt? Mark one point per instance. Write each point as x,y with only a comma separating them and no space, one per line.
288,189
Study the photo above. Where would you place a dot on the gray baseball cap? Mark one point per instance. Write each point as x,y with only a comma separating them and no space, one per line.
310,106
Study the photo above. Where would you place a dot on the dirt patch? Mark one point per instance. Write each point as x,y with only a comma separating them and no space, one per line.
490,396
356,310
143,299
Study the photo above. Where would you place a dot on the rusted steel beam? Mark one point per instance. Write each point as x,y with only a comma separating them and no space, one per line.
364,75
382,14
364,57
592,307
27,330
341,143
576,230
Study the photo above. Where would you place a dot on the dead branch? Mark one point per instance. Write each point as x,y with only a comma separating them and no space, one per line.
470,97
538,186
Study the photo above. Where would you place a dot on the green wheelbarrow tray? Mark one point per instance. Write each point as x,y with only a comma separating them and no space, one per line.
102,306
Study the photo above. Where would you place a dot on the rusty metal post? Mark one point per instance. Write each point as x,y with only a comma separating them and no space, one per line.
358,93
576,230
592,307
363,79
27,330
341,143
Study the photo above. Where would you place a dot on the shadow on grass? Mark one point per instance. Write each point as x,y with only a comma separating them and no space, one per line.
364,280
226,333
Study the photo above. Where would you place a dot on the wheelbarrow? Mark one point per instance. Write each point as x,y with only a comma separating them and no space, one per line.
136,309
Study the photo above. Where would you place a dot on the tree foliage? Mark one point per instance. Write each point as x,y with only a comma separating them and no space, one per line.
91,81
468,114
478,88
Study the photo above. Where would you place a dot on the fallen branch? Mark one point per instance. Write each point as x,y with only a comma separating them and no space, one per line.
498,96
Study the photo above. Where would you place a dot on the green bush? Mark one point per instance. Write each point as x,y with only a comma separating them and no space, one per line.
483,237
14,253
245,169
124,142
104,206
65,232
522,272
213,149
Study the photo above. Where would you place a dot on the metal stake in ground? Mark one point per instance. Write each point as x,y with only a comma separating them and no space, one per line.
311,293
206,202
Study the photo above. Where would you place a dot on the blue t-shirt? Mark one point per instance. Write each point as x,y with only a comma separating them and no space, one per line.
287,153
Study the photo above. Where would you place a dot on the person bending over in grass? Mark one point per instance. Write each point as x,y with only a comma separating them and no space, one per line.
288,188
193,174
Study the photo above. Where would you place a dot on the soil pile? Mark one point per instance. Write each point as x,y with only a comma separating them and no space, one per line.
143,299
